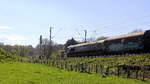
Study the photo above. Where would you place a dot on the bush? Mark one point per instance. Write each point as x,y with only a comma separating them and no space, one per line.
5,55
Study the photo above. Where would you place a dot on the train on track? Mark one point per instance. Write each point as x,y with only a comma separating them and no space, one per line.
129,43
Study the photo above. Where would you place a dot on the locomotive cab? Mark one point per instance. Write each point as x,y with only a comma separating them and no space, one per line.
147,41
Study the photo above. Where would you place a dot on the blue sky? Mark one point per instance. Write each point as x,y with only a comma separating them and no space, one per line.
23,21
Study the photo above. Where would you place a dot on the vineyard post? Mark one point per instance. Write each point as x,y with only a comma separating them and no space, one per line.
136,74
118,72
107,70
128,74
143,76
96,68
101,69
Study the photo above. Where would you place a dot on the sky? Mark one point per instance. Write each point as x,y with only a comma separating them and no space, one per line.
23,21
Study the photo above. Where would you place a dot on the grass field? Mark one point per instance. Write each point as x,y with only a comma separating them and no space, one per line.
27,73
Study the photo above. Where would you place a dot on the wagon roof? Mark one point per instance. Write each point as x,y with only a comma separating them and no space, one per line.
126,35
82,44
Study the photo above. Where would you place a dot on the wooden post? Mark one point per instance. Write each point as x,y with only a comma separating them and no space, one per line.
96,68
143,76
101,69
136,74
128,74
107,70
118,72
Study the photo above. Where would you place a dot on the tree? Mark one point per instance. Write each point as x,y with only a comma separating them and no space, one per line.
45,48
102,38
137,30
91,39
19,50
70,42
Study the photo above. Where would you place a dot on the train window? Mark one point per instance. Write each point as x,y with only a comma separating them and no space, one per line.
72,49
122,40
139,39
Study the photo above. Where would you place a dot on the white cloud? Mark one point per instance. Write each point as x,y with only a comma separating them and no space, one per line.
13,37
5,27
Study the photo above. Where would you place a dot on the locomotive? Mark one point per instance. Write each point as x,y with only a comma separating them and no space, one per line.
129,43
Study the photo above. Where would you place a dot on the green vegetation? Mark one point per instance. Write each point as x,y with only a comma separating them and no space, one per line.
114,61
6,56
107,65
27,73
13,72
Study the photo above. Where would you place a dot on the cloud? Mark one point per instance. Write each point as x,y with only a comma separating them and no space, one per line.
13,37
5,27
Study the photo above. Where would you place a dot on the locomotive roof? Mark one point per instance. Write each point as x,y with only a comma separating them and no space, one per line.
82,44
126,35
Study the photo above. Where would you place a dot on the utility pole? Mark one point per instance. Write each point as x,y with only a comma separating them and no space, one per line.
85,31
40,47
50,36
50,43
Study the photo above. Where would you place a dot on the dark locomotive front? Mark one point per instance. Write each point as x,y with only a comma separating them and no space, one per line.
147,41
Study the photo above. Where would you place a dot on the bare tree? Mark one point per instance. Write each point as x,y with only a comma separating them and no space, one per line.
91,39
101,38
137,30
70,42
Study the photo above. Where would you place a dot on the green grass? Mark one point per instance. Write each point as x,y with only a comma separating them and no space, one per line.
27,73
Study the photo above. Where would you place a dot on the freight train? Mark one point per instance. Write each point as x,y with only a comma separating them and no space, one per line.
129,43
